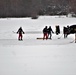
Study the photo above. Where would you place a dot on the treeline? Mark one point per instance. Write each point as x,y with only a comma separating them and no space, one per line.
27,8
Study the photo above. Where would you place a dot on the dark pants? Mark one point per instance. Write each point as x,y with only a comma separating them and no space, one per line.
49,35
65,35
20,37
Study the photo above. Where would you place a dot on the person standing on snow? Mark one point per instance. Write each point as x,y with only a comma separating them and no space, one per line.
65,32
20,32
57,30
68,29
50,31
45,33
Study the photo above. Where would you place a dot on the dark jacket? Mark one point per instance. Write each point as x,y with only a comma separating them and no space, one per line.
45,30
57,30
20,31
66,30
50,30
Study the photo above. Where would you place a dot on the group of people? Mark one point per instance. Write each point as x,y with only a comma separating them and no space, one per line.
47,32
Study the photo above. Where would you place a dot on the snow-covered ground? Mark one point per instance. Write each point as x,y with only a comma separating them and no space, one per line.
32,56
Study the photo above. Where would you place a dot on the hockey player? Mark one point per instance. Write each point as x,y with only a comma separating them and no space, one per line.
57,30
45,33
20,32
66,31
50,31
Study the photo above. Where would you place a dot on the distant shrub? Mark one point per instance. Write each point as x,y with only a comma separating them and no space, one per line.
34,17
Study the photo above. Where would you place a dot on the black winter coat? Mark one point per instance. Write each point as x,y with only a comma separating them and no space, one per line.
20,31
45,30
50,30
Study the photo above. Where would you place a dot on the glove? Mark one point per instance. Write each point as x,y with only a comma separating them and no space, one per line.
17,32
23,32
53,32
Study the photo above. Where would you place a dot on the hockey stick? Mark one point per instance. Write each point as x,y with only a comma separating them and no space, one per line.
14,32
60,36
72,41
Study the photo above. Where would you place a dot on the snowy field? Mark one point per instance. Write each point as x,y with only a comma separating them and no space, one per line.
32,56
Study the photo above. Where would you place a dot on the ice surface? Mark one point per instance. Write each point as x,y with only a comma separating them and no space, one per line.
32,56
